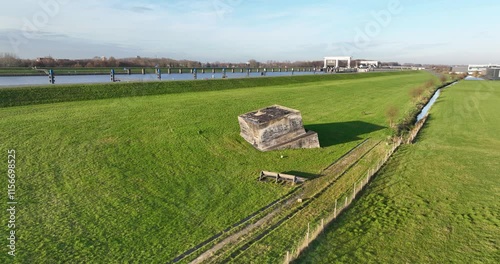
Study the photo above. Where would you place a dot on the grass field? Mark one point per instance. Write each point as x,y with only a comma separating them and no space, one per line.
437,201
144,178
78,92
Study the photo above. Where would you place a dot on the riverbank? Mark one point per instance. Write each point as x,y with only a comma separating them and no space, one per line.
173,166
63,93
435,199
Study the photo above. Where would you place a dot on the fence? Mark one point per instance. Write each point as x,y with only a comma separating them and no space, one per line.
414,132
350,195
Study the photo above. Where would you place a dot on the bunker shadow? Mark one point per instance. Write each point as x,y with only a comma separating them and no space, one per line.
331,134
302,174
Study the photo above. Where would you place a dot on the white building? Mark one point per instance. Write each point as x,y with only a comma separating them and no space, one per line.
367,64
334,61
481,68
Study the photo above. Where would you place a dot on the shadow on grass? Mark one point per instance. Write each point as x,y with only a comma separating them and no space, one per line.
302,174
337,133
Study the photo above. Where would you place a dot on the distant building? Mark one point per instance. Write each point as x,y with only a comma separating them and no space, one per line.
481,68
493,73
333,62
368,64
460,69
45,59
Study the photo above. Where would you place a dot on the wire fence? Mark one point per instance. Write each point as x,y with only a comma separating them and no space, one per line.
414,132
350,195
340,205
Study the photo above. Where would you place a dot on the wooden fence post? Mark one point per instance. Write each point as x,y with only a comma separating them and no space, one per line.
308,227
335,210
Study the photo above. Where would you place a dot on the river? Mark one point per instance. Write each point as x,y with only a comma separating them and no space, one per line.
82,79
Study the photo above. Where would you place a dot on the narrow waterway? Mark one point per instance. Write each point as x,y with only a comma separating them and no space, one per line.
431,102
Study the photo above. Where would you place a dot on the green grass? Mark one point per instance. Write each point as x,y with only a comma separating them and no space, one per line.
145,178
288,236
437,200
63,93
12,71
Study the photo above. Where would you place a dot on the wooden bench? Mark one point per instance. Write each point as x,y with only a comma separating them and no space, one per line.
280,176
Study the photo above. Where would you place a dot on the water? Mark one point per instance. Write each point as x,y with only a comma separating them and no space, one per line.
472,78
431,102
82,79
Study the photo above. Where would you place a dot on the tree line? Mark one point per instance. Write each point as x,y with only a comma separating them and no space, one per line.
11,60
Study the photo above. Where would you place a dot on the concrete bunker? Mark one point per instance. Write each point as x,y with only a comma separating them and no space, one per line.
276,127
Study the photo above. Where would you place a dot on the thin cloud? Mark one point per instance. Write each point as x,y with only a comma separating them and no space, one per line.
422,46
241,30
141,9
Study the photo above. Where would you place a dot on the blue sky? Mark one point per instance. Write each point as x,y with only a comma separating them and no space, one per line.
439,31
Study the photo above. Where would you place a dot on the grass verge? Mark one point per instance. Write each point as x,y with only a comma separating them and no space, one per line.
436,200
64,93
146,178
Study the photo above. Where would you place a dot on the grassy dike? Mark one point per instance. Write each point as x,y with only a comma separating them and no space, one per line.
65,93
144,178
437,200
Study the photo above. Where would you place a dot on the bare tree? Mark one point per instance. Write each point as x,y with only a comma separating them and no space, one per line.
253,63
443,78
392,113
430,83
416,93
9,60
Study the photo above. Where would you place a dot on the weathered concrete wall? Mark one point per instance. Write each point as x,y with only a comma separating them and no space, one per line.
276,127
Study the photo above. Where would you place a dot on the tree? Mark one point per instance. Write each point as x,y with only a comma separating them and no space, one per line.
430,83
392,113
253,63
416,93
113,62
9,60
443,78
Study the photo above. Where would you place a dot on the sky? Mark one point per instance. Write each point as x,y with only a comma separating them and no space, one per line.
405,31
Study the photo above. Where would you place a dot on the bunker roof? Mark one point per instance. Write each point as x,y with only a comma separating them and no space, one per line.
267,114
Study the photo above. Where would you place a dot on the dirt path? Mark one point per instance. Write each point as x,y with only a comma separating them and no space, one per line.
233,238
338,167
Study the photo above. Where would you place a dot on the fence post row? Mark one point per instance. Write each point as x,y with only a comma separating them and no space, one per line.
320,229
335,210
